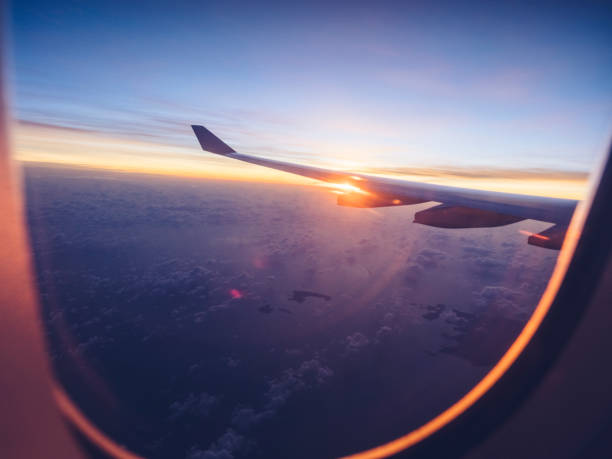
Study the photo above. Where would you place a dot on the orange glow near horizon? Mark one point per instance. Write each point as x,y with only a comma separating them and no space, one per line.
72,148
75,148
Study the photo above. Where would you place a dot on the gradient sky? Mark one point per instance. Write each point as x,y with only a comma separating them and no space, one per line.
495,86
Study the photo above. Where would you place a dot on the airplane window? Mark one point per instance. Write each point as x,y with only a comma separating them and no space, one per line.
296,231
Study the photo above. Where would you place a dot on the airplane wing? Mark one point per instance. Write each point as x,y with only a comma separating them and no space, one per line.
458,208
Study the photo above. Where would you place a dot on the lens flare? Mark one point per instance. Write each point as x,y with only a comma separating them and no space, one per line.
235,294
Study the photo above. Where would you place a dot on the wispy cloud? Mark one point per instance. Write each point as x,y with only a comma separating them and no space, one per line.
38,142
485,173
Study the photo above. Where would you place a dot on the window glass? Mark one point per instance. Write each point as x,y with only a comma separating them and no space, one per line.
199,307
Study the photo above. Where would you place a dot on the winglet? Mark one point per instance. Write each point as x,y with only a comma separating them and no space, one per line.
211,142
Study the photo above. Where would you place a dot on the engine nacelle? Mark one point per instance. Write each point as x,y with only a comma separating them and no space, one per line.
444,216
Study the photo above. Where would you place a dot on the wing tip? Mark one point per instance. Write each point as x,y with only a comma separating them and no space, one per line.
210,142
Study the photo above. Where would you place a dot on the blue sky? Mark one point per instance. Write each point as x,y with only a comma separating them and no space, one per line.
389,85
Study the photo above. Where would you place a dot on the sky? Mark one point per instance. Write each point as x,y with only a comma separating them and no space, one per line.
503,95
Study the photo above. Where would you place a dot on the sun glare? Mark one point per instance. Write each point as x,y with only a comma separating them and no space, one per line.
341,188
